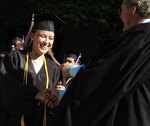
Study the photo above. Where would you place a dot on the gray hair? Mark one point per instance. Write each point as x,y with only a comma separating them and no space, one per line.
143,6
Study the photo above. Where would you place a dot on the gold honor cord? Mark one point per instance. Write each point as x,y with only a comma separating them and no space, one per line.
47,82
68,80
25,82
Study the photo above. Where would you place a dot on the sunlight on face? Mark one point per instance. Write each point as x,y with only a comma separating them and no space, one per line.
69,60
125,15
42,41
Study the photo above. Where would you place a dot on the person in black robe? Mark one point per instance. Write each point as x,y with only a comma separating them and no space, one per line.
113,88
28,78
16,43
72,57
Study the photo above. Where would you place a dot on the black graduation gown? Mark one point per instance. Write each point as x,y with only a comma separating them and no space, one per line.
113,89
17,99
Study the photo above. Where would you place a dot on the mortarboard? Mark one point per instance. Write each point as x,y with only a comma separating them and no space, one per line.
19,39
18,36
48,22
44,25
75,54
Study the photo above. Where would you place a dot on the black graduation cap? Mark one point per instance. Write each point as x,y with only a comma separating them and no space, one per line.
48,22
18,36
75,54
44,25
19,39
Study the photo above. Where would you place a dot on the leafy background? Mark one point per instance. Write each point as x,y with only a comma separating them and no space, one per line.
97,18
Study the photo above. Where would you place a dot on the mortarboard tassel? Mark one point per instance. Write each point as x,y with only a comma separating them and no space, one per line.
78,59
24,44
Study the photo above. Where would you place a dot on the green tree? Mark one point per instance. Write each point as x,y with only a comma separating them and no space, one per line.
17,13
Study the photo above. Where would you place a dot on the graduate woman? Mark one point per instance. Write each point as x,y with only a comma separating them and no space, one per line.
25,76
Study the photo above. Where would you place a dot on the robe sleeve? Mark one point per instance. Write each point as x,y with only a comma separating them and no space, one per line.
99,87
16,97
105,81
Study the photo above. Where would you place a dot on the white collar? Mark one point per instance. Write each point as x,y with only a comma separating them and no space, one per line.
146,20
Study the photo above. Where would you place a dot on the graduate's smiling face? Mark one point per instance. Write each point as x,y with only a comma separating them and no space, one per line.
42,41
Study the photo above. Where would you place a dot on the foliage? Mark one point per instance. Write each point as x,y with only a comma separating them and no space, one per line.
17,13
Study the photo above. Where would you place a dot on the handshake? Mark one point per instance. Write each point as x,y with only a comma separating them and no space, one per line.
51,97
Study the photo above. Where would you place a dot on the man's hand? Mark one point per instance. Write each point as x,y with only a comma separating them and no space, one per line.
49,97
59,86
53,95
65,70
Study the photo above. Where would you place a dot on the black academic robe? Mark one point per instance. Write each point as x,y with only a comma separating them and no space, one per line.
113,89
17,99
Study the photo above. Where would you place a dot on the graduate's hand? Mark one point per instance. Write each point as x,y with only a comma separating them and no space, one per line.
53,98
65,70
59,86
41,96
49,97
